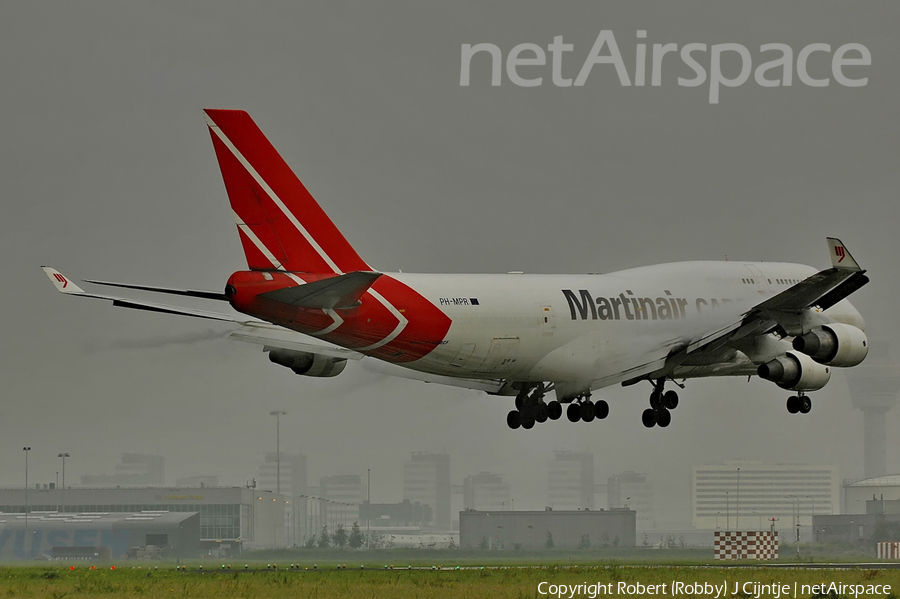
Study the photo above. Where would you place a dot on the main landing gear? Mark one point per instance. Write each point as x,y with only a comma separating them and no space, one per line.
531,408
799,403
661,403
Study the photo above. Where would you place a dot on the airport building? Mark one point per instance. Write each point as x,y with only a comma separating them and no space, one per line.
342,494
747,494
486,492
547,529
99,535
133,470
880,522
633,490
570,481
230,518
426,480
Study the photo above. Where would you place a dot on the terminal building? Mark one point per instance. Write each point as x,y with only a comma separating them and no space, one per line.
230,518
569,529
745,494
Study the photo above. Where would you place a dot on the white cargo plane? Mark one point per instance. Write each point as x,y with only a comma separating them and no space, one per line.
315,304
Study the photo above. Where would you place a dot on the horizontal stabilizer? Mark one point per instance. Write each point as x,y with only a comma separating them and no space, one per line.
211,295
336,293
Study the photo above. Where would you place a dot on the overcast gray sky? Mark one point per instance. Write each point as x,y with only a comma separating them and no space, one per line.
108,172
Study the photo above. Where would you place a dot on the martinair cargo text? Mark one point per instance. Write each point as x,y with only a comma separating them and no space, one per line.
313,304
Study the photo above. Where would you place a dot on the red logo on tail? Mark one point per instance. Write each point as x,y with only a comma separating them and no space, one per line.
840,253
61,279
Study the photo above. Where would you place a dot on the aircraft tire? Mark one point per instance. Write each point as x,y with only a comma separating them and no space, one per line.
520,401
527,423
648,418
554,410
514,419
601,409
804,405
573,412
793,404
587,411
670,400
541,413
663,418
655,400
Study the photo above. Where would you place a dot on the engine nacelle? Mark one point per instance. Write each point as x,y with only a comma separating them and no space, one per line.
795,371
834,344
307,364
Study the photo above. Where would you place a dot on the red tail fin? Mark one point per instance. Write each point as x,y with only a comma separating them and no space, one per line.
281,225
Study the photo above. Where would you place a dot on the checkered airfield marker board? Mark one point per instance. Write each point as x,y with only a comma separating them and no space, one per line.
751,544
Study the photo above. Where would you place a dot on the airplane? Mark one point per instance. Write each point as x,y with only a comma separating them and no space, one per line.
314,304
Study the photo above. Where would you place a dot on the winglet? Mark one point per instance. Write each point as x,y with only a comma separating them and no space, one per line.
840,255
59,280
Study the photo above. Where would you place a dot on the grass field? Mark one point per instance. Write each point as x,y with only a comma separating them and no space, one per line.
469,581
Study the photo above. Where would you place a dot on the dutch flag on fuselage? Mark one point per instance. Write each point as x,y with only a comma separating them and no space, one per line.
281,225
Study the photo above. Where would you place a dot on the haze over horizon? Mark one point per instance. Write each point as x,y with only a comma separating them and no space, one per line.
109,174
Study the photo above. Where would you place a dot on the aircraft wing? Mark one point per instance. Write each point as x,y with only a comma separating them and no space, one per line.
67,287
821,290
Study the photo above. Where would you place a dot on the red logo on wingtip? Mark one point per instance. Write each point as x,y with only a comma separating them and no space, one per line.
840,253
61,279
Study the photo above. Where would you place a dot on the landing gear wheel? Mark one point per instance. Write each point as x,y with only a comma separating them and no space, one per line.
541,413
663,418
573,412
527,422
520,401
649,418
587,411
655,400
554,410
793,404
805,404
670,400
514,419
601,409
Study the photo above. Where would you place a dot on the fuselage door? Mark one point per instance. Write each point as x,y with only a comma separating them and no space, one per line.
757,279
498,354
548,321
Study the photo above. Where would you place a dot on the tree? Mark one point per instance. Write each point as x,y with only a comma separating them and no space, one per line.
646,540
585,542
356,537
324,539
548,544
604,539
616,541
310,542
376,540
340,536
452,544
483,545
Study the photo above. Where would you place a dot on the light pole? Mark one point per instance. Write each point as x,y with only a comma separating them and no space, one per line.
727,513
812,516
737,511
63,456
717,520
797,503
277,414
25,541
368,502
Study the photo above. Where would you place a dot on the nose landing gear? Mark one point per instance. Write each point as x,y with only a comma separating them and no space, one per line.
799,403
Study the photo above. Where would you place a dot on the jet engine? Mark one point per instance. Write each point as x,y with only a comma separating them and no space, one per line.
834,344
307,364
795,371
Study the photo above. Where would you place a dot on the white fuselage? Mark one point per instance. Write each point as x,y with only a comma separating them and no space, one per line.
592,329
